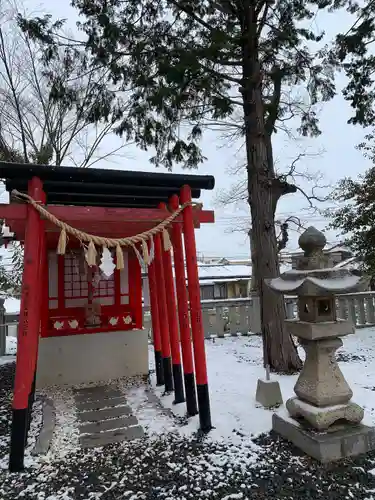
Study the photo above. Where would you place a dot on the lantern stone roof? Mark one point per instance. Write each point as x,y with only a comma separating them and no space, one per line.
102,187
312,276
318,282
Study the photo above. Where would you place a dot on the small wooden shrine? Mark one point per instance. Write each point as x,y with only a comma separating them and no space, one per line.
87,235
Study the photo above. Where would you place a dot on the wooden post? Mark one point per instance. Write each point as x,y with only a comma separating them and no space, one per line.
45,298
183,314
163,316
3,329
370,309
28,330
196,313
155,323
44,304
173,327
135,297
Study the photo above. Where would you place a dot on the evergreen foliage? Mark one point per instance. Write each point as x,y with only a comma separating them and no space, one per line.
182,65
355,217
175,68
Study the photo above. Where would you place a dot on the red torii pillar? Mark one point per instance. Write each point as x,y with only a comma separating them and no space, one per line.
28,329
153,288
179,396
183,313
163,315
173,328
44,303
196,312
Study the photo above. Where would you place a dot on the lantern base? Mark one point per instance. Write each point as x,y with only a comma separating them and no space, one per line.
319,331
322,418
347,441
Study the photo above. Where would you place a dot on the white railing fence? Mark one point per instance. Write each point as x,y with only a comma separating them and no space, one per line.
242,316
7,330
225,317
359,308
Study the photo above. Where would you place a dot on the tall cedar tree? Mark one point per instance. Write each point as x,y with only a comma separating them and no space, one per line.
356,216
354,53
187,63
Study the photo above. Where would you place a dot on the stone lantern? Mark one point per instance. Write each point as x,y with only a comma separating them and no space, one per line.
323,421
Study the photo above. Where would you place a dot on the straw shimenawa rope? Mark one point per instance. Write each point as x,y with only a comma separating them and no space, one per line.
94,240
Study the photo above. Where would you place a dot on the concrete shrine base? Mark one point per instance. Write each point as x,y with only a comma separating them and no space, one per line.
92,358
347,441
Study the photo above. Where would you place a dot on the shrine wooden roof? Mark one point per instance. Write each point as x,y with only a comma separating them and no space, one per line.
102,187
108,203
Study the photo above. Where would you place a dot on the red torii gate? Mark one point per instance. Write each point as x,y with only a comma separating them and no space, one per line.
112,204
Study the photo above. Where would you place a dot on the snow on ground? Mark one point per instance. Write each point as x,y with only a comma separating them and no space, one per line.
11,346
153,420
235,461
6,383
234,367
35,425
7,359
10,351
66,436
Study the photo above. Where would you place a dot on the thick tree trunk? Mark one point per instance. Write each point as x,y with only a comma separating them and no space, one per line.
253,281
278,347
279,350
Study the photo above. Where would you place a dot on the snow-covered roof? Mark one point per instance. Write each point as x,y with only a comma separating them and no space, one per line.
212,271
339,248
351,263
214,281
12,305
237,262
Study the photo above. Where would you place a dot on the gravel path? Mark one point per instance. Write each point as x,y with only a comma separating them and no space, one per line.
173,467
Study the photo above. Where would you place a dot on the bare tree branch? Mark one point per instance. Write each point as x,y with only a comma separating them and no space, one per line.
4,57
289,177
36,127
44,128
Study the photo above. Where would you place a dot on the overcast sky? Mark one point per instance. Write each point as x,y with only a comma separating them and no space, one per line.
333,154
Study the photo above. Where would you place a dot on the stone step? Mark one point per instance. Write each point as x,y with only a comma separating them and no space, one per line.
104,417
100,403
96,389
95,396
97,415
112,436
107,425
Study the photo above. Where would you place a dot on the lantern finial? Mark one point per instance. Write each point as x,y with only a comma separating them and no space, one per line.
312,241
